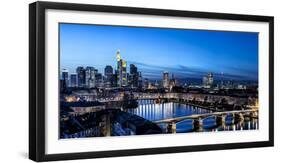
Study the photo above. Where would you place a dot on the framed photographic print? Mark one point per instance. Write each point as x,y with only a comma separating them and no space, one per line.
111,81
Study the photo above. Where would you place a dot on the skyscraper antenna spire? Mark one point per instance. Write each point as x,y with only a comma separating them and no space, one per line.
118,56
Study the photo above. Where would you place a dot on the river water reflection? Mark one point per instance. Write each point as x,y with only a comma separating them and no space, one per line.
152,111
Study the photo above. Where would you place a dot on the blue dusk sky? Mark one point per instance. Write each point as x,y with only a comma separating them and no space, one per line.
184,53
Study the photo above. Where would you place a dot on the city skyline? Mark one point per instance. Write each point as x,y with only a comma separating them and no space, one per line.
121,81
197,56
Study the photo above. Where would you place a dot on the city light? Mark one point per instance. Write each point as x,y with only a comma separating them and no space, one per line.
124,88
164,81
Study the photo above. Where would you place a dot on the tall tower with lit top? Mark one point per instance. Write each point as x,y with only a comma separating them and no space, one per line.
118,56
121,70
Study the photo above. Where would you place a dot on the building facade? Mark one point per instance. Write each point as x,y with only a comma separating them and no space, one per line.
90,81
133,76
108,75
73,80
208,80
81,73
165,79
121,71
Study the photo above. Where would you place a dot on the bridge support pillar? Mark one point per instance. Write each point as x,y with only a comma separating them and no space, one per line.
233,118
105,125
220,120
108,126
172,127
254,114
239,117
198,124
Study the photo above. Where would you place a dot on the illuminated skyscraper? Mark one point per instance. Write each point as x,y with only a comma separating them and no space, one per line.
165,79
118,55
121,71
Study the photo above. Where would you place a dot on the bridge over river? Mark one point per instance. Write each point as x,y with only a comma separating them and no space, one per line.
238,116
149,107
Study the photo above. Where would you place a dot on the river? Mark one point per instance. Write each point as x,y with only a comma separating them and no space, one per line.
152,111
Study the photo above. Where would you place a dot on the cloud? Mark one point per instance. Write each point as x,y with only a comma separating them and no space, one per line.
181,71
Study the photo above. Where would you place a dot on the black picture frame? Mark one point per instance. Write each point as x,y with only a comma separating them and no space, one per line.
37,80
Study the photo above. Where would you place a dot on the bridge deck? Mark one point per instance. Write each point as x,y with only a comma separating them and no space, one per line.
196,116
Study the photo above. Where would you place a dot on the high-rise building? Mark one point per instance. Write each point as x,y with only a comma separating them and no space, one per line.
108,74
133,76
221,83
156,84
90,77
99,80
64,83
133,69
205,81
114,79
146,83
173,81
121,71
108,70
166,79
208,80
139,80
64,77
81,76
73,80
